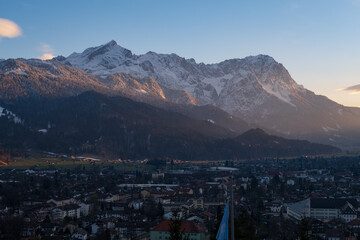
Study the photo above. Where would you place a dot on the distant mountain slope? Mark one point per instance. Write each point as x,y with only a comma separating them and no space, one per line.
256,89
26,78
119,127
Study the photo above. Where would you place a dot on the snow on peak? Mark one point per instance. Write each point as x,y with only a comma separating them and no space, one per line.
208,83
101,59
111,43
261,58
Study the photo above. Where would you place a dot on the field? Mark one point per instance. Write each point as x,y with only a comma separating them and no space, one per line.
60,163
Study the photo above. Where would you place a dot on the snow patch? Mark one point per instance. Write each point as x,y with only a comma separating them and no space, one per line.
218,82
212,121
17,71
10,115
142,91
51,73
329,129
280,93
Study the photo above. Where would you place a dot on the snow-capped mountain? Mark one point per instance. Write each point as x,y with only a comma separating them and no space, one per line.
33,78
256,88
209,84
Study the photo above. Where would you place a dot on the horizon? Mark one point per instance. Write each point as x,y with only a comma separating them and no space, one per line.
316,42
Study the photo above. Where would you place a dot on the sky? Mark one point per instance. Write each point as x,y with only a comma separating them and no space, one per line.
316,40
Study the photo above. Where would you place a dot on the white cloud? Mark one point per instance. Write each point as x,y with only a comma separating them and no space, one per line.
47,51
353,89
46,48
9,29
46,56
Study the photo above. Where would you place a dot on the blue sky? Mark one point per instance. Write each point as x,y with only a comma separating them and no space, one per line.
316,40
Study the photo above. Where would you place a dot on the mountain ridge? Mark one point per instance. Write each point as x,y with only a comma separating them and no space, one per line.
256,88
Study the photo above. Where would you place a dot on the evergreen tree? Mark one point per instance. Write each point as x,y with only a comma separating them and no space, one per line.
176,233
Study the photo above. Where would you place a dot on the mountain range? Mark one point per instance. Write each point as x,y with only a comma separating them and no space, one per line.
257,89
234,95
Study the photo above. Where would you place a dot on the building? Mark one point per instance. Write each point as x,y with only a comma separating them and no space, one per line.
85,208
191,229
80,234
70,210
324,209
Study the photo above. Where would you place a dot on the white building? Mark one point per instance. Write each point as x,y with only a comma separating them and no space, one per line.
324,209
70,210
84,208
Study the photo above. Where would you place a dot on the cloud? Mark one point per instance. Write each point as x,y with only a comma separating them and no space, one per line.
9,29
353,89
47,51
46,48
46,56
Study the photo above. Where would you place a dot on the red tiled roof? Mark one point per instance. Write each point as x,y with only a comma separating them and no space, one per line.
186,226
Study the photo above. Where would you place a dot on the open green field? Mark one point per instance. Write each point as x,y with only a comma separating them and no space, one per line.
58,163
43,163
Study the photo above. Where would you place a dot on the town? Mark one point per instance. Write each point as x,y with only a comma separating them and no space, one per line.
300,198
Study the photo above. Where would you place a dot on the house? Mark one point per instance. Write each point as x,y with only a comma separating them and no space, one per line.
354,225
334,234
170,215
80,234
85,208
348,212
196,203
60,201
156,176
70,210
108,223
95,228
155,193
191,229
71,227
290,182
119,206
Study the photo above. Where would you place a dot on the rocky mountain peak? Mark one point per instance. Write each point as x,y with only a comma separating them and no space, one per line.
261,59
106,56
111,43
